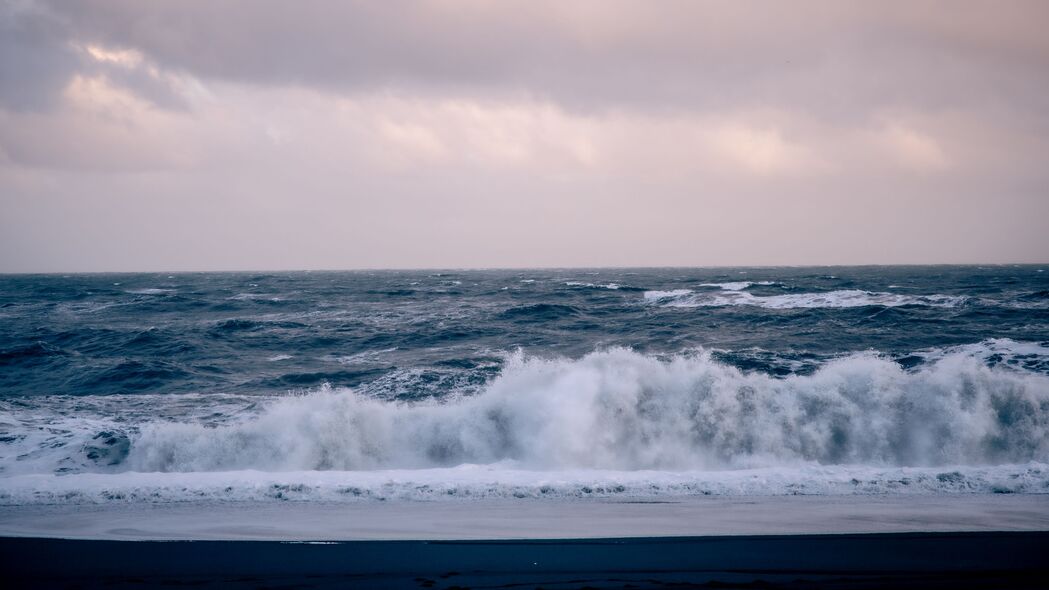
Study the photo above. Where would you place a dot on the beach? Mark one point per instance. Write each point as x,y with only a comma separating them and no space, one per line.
572,428
976,541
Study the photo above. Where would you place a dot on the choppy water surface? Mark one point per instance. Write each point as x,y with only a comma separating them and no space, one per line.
460,384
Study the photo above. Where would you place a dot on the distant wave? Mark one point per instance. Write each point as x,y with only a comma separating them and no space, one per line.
1033,356
737,285
255,297
610,286
150,291
735,295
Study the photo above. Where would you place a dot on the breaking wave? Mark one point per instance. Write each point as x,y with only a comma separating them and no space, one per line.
609,286
737,285
622,410
735,294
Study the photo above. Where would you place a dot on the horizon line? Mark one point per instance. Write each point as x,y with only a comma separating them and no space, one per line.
517,268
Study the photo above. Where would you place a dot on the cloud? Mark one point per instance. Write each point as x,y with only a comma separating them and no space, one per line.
763,151
914,149
35,59
411,142
433,133
594,54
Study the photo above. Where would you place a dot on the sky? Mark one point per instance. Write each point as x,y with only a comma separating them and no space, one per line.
264,135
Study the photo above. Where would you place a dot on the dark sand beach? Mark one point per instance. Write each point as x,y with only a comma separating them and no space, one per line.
976,541
904,560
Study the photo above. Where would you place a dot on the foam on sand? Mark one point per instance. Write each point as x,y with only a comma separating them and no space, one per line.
510,482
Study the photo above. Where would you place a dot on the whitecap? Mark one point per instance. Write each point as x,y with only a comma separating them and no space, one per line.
737,285
658,296
828,299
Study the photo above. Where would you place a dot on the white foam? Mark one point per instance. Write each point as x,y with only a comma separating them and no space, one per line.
623,410
830,299
479,482
613,422
658,296
993,351
738,285
615,409
254,297
611,286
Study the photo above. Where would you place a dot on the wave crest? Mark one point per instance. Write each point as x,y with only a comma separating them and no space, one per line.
734,294
622,410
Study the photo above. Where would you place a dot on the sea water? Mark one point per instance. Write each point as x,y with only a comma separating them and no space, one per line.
456,385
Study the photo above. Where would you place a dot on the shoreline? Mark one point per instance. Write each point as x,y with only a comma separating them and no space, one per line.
689,516
953,541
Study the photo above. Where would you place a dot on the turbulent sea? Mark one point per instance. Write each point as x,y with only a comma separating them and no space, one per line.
369,386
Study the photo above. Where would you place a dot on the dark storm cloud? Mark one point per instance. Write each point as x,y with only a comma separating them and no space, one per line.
36,60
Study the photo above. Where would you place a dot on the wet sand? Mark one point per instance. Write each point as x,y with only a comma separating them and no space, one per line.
531,519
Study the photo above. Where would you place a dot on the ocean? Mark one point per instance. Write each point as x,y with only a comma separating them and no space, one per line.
457,385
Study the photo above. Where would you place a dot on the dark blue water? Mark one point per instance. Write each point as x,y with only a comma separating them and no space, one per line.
429,333
539,383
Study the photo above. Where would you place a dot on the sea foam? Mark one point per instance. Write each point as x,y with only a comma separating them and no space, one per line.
614,409
476,482
734,294
615,421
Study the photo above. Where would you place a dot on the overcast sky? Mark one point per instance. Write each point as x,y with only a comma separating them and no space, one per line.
181,135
